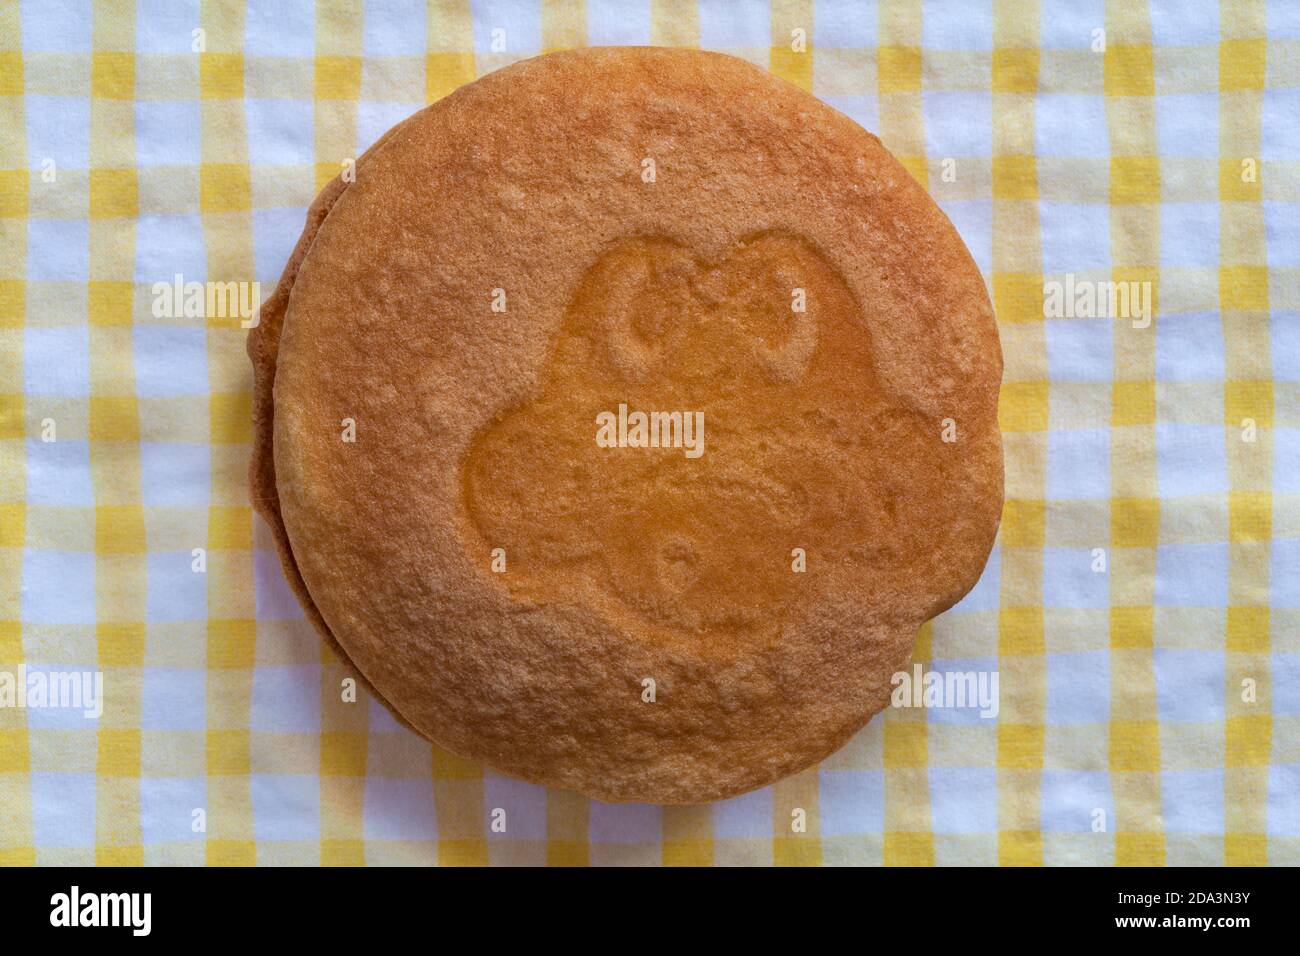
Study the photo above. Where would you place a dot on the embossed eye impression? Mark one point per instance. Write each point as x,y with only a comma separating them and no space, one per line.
779,286
631,303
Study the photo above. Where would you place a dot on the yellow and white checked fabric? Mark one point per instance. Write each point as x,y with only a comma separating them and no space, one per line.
1142,606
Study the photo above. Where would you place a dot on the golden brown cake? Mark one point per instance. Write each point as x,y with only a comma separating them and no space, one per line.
624,419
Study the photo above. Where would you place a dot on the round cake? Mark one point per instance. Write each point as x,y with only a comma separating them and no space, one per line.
622,416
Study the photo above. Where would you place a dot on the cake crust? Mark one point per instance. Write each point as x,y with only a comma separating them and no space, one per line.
474,432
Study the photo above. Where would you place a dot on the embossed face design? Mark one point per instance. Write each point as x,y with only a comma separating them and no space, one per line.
800,440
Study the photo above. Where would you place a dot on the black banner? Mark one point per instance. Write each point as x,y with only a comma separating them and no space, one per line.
652,905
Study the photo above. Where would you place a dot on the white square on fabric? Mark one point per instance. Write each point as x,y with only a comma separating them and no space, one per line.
175,591
169,245
737,23
844,23
1189,347
399,809
1282,232
524,805
1071,799
275,233
280,28
58,128
170,361
1187,124
1069,580
286,699
1284,573
985,595
1279,131
956,25
963,800
1286,460
1078,463
176,474
1284,800
280,132
167,132
382,720
973,220
969,715
1285,330
173,698
618,22
863,110
1192,575
393,28
958,124
275,601
1069,24
63,809
849,802
80,717
374,119
1075,236
520,23
1189,234
1189,684
1192,800
56,361
1080,350
624,823
56,26
167,806
58,473
1282,22
58,250
1185,22
1284,673
285,807
166,26
1191,459
1078,686
749,815
1071,124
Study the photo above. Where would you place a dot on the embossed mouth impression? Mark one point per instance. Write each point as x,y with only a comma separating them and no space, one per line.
635,429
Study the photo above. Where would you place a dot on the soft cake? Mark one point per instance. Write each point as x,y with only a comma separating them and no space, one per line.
623,420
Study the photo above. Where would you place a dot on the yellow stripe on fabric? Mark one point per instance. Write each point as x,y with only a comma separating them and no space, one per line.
1134,746
564,24
567,837
907,822
796,839
449,62
336,86
225,203
17,839
791,55
674,23
1248,412
120,544
1023,410
688,836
